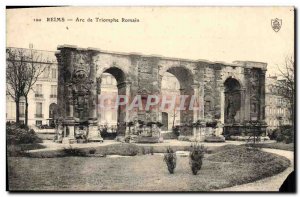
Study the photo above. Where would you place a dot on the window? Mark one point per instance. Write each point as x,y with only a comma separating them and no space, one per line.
39,90
53,91
39,110
53,73
38,122
46,73
22,109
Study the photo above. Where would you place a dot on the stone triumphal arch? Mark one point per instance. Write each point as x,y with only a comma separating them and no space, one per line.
230,93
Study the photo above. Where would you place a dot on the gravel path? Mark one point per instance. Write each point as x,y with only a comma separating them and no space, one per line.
272,183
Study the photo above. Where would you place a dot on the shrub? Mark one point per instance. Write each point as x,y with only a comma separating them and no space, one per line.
273,134
92,151
212,123
127,139
186,130
286,135
143,150
184,138
20,134
170,159
132,150
196,156
176,130
169,135
108,133
73,152
214,139
151,150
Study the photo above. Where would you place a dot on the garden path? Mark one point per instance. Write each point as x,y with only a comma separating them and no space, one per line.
272,183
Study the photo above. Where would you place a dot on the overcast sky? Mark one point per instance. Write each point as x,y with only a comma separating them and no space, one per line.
215,34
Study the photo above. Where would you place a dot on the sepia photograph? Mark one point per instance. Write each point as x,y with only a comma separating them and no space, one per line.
150,99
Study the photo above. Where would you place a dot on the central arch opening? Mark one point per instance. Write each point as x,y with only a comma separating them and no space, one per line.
170,87
108,117
182,80
112,119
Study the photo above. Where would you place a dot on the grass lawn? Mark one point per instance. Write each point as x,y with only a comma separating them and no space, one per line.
142,173
16,150
278,145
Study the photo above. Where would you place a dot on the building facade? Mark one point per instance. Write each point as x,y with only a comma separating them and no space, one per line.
42,99
278,108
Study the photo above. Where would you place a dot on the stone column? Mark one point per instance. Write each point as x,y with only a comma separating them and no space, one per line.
243,105
98,92
262,80
93,103
201,91
127,90
71,131
196,112
69,121
220,126
247,75
197,103
182,116
93,132
70,109
222,104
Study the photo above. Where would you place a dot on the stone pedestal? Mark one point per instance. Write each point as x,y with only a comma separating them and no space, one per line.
127,131
199,134
71,131
70,126
94,134
219,130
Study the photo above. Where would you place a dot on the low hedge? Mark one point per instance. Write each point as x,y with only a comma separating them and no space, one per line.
214,139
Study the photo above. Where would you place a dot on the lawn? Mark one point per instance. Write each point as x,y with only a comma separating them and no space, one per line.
16,150
278,145
142,173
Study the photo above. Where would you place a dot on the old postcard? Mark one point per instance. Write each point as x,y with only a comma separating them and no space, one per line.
150,99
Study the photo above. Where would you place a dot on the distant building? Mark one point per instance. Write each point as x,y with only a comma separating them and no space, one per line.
278,108
43,98
108,117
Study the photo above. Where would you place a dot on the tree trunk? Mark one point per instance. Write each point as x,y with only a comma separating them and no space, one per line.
26,110
17,111
173,124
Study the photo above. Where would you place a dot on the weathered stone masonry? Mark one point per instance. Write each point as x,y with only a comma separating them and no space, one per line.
233,93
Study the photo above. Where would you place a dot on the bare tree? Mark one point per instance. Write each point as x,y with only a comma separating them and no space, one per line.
23,70
174,117
16,65
34,68
286,83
